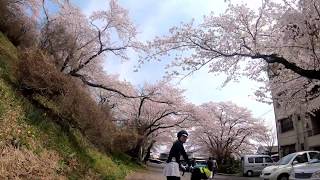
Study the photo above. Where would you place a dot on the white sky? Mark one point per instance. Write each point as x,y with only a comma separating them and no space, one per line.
154,18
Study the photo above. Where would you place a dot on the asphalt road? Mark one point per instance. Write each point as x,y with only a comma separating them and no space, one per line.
154,172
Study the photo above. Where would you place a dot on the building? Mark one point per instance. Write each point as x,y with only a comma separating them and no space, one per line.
298,123
298,132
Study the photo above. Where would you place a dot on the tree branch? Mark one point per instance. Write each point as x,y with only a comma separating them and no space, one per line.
101,86
270,59
101,50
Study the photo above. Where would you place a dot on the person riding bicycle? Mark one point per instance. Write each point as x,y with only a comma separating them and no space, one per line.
171,170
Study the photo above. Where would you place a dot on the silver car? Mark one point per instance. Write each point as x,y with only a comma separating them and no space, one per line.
310,170
282,170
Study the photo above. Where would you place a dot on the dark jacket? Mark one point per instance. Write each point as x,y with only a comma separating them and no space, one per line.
176,151
210,164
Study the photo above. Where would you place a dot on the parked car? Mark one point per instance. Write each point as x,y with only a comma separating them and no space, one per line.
282,170
309,170
157,161
254,164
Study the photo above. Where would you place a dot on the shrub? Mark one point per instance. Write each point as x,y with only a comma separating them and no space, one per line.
124,140
64,96
230,166
14,22
24,164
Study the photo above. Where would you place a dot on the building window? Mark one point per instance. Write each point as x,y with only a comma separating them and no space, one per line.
315,123
316,148
288,149
286,124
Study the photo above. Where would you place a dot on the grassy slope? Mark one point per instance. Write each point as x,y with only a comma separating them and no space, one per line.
42,142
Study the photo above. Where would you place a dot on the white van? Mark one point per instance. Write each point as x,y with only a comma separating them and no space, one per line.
254,164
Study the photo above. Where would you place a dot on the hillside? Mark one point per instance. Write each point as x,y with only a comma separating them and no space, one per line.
34,146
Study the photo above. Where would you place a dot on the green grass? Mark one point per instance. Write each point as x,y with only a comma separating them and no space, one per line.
112,167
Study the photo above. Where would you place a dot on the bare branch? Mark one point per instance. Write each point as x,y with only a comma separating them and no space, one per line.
101,50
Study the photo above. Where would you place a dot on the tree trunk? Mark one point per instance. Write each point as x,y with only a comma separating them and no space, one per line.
138,151
135,151
147,156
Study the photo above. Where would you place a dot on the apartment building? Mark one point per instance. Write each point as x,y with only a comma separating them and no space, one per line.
298,130
298,121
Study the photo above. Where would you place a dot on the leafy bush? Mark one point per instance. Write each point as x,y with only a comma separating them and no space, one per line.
230,166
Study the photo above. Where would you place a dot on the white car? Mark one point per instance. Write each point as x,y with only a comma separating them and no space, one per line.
310,171
282,170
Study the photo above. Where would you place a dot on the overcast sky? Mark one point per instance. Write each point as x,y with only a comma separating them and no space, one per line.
154,18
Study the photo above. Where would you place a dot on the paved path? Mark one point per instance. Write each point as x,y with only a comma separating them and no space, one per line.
154,172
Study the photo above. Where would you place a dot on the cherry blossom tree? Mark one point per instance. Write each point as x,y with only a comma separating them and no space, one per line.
225,129
165,138
279,38
78,43
159,107
23,5
268,140
157,140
